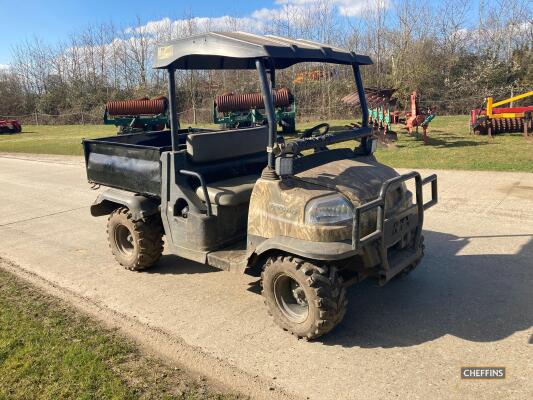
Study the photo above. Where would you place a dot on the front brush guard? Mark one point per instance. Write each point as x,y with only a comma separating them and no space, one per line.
390,230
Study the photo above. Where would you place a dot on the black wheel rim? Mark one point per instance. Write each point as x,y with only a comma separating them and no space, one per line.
124,240
291,298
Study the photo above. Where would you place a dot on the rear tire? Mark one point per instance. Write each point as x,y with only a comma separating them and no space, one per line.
303,298
136,244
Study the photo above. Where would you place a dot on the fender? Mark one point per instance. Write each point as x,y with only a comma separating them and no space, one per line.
325,251
139,205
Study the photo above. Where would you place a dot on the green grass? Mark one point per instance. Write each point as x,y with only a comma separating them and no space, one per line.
450,145
49,351
53,139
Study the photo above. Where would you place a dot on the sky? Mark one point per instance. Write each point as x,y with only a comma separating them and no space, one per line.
53,20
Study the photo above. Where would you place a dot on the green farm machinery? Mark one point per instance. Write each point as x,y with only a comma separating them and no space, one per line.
139,115
381,110
246,110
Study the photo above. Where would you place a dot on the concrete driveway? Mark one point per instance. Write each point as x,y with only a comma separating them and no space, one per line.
469,304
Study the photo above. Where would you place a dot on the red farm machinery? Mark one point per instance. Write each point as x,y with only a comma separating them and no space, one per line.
10,126
418,117
491,119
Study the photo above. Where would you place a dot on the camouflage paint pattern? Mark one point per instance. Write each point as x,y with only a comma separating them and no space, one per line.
277,207
358,179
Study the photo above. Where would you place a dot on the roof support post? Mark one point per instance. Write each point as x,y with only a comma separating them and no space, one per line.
272,80
361,93
174,122
271,117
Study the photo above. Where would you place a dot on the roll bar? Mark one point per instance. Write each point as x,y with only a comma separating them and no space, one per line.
361,92
269,108
173,112
279,149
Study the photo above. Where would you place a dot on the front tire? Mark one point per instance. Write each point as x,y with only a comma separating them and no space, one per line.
136,244
303,298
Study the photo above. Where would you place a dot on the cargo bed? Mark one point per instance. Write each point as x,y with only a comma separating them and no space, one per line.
130,162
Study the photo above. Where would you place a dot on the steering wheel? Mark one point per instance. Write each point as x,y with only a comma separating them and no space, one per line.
317,130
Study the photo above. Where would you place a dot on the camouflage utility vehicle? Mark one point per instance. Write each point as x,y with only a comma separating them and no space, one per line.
315,219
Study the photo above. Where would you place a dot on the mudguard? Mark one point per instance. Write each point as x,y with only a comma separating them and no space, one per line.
324,251
111,199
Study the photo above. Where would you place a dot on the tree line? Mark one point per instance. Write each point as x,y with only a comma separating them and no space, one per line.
453,53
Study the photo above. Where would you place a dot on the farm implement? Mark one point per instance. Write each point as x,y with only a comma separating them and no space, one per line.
382,113
140,115
380,103
417,118
490,119
10,126
245,110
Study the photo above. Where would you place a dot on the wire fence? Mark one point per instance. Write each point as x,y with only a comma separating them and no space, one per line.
193,115
71,118
204,115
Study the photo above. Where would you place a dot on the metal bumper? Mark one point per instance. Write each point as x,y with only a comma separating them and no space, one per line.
390,231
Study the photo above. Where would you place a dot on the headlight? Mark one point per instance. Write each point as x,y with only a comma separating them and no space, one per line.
328,210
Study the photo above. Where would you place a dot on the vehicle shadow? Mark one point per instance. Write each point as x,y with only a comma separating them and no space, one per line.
174,265
454,143
439,143
480,298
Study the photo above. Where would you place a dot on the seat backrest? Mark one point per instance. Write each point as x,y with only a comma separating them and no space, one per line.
223,145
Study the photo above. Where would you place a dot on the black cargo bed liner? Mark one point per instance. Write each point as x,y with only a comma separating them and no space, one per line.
129,162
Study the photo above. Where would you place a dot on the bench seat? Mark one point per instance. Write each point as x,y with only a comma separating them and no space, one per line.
229,192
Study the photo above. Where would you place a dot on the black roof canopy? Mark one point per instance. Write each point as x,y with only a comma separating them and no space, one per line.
239,50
